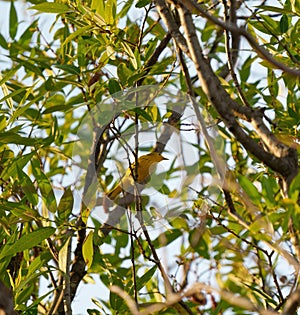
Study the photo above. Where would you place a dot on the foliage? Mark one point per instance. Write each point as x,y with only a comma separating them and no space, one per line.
76,96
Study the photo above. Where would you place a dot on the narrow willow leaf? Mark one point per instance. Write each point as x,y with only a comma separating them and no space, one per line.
28,187
12,137
142,281
51,7
284,24
114,86
130,54
63,256
65,206
77,33
8,96
13,21
142,3
17,163
27,241
250,189
2,122
3,42
88,249
47,192
110,12
123,73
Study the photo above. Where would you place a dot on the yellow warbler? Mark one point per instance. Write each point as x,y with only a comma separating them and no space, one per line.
146,164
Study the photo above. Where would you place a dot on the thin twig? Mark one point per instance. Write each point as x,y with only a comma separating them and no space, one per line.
281,298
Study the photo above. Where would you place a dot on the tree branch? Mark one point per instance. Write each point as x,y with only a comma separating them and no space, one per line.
278,156
193,6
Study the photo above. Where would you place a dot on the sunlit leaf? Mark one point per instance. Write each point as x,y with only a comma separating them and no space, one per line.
63,256
51,7
88,250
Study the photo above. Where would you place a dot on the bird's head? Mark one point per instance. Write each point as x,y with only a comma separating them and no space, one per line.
154,157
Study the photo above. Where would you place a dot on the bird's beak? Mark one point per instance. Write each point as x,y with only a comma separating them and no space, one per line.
164,158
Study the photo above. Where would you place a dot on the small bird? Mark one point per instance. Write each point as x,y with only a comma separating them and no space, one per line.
146,165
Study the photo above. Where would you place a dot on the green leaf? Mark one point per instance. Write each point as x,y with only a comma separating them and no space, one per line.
250,189
38,262
57,108
116,302
27,241
151,46
65,206
142,3
14,93
51,7
13,21
270,26
164,189
199,244
26,37
179,223
12,137
3,42
142,114
110,12
29,66
98,6
24,213
269,187
77,33
218,230
167,238
81,52
284,24
69,68
123,73
127,5
49,84
28,187
142,281
45,187
295,188
2,122
183,84
246,69
114,86
18,163
276,9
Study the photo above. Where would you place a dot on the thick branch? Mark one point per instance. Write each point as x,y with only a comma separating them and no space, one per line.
171,24
6,301
277,156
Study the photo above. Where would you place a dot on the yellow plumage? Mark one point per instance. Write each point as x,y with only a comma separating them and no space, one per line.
146,164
